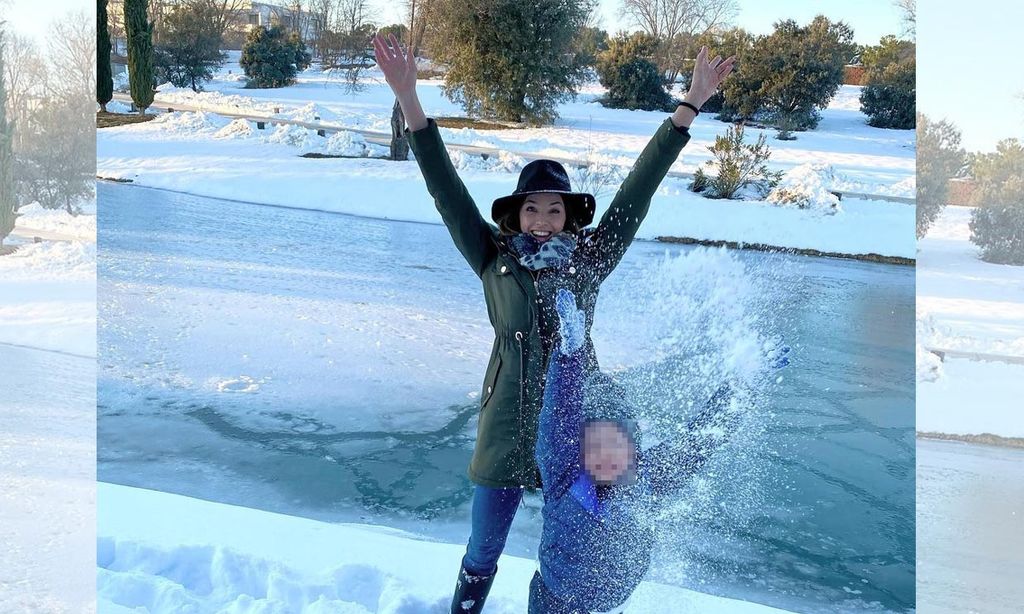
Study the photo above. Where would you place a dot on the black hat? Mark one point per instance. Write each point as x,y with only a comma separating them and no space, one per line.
546,176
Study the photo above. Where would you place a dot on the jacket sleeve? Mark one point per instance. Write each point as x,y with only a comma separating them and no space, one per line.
619,224
669,465
472,235
561,417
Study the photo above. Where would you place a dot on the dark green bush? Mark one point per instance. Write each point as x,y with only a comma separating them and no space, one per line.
632,78
889,98
997,225
999,231
272,58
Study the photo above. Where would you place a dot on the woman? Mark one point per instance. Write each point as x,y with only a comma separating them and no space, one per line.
541,243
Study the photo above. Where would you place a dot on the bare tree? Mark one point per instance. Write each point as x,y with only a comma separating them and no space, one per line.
322,15
670,20
115,25
420,14
223,13
72,52
909,8
352,14
26,75
56,158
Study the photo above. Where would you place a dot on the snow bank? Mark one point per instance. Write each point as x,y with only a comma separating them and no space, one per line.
806,187
159,552
967,305
51,261
59,221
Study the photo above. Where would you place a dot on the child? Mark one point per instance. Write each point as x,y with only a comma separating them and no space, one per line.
598,486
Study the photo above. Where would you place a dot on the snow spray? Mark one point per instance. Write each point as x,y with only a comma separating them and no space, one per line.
703,318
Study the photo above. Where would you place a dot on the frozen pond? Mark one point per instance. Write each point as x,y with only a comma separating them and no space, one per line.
327,366
970,527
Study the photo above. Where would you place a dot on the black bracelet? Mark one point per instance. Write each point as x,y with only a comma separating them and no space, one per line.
695,110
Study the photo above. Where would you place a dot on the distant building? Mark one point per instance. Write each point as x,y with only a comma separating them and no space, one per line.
854,74
961,192
288,15
285,13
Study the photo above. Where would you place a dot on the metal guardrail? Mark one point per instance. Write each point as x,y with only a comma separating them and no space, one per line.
943,354
384,138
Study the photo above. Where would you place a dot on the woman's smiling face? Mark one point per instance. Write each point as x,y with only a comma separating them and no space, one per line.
542,216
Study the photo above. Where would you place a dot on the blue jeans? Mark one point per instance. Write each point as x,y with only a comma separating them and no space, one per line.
493,511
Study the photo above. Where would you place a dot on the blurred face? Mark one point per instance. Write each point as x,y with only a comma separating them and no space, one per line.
609,454
542,215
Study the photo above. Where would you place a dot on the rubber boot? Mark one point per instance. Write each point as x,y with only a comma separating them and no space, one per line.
471,592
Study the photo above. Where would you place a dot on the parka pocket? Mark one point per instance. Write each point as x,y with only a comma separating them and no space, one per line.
490,380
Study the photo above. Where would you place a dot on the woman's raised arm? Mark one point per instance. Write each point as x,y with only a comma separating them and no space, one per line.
472,235
399,70
629,207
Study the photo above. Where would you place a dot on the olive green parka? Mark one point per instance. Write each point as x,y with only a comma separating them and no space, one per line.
520,302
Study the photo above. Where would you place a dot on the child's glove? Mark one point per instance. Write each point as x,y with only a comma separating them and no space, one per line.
572,322
776,353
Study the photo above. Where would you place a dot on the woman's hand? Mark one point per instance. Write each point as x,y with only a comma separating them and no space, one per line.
399,67
707,76
399,70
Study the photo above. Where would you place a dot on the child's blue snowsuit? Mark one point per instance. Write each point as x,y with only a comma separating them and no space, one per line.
595,545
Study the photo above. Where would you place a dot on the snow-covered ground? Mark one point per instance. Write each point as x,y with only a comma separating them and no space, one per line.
48,420
966,304
208,154
168,553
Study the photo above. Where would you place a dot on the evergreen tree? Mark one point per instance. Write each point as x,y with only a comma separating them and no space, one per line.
890,97
508,59
939,159
139,31
104,78
590,44
6,155
732,42
997,224
271,57
189,49
791,73
628,70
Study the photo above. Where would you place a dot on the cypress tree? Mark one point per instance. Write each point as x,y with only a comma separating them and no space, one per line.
140,53
104,78
6,155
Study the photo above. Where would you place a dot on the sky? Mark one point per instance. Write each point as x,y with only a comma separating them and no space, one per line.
870,19
23,16
969,69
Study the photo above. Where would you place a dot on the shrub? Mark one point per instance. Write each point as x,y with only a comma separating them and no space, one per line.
999,231
790,73
271,58
997,225
889,98
939,159
632,78
739,165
